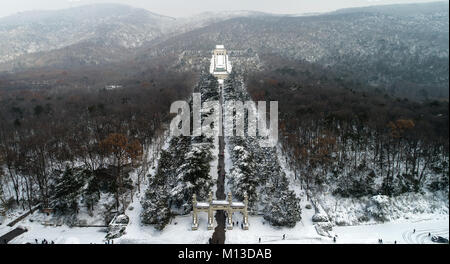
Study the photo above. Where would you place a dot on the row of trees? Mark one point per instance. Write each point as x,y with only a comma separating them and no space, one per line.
183,170
257,171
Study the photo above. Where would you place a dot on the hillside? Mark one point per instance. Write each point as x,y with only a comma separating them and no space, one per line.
406,54
392,48
104,25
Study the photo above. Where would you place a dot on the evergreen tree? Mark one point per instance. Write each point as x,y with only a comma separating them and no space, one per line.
2,194
91,194
170,188
441,182
156,207
243,178
208,88
156,202
67,190
283,207
194,176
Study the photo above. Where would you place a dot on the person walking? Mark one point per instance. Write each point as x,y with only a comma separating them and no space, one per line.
260,240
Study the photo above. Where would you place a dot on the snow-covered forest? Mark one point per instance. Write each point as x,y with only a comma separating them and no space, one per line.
87,155
356,145
82,154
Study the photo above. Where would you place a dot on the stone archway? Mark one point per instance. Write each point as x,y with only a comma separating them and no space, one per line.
215,205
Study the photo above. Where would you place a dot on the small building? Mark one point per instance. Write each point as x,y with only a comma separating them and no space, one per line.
48,211
113,87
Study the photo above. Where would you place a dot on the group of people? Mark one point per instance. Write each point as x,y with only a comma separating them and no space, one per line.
414,231
380,241
44,241
237,224
284,238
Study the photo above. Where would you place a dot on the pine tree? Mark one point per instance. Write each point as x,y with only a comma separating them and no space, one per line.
194,175
243,178
91,194
67,190
155,203
209,88
161,194
156,207
283,207
2,194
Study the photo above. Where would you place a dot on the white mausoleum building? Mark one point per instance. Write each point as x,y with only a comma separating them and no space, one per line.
220,64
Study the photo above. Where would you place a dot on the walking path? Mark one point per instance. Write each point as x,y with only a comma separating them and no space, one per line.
12,234
219,233
4,239
20,218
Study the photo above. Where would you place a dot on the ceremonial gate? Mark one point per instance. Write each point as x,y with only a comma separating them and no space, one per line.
214,205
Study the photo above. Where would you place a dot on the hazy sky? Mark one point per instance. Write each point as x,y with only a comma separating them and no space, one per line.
180,8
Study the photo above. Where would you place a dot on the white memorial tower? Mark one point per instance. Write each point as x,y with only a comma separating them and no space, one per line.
220,64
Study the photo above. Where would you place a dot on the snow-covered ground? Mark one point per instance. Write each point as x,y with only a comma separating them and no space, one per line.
178,231
61,235
58,234
303,233
426,212
408,206
401,231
